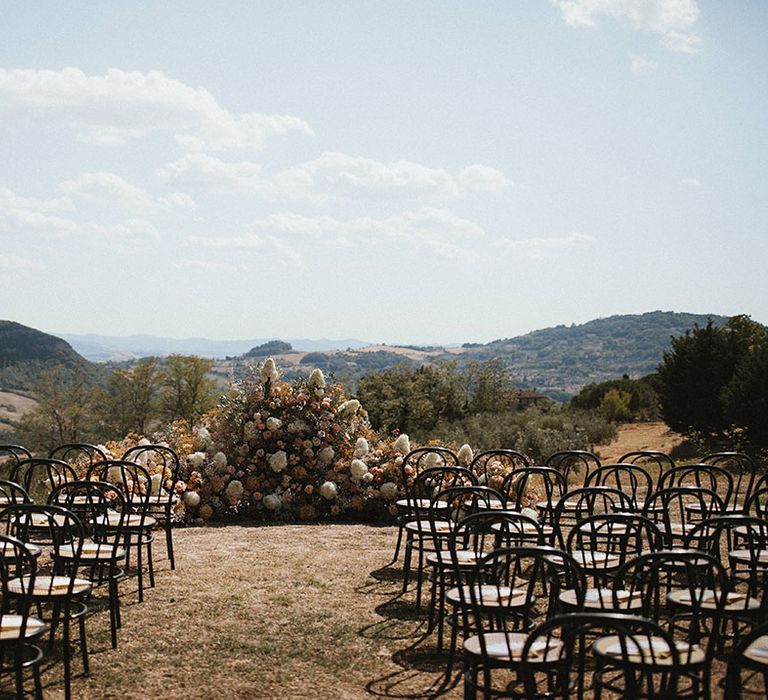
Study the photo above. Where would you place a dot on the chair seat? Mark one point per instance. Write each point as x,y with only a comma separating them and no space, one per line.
10,627
130,520
40,520
7,550
422,503
758,650
441,527
92,551
489,596
708,599
602,599
593,559
649,650
509,646
158,500
745,556
49,586
464,557
568,506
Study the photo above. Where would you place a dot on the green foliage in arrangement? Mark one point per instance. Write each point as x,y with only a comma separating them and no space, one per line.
712,384
620,400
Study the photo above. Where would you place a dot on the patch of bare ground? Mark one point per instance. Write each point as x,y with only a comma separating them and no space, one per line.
13,406
639,436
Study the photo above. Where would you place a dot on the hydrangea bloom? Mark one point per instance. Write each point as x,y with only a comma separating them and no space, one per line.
316,379
326,455
196,459
349,408
234,491
220,460
388,491
272,501
278,461
274,423
361,448
402,444
268,371
465,454
328,490
192,499
358,469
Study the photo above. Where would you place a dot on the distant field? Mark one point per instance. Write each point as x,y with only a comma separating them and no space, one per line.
13,406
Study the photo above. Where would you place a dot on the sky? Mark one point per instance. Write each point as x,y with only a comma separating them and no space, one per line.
437,171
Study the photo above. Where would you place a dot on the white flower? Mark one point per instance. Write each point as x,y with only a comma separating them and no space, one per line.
278,461
196,459
191,499
326,455
432,459
144,441
272,502
155,484
268,371
274,423
358,469
389,491
234,491
402,444
316,379
361,448
465,454
220,460
204,436
349,408
367,477
328,490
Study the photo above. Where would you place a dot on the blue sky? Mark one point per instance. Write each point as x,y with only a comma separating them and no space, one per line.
393,171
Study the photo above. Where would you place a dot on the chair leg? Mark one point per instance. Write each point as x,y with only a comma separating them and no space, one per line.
67,657
84,645
151,563
397,546
169,539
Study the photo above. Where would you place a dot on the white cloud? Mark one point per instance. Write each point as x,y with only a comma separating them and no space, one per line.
537,246
335,174
13,263
692,182
11,200
642,66
670,19
120,105
446,234
108,188
207,266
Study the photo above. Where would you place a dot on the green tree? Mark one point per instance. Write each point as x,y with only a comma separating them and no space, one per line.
187,391
615,405
694,375
489,386
131,397
746,398
67,410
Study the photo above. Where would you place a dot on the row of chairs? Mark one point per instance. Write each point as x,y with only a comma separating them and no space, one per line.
63,537
592,553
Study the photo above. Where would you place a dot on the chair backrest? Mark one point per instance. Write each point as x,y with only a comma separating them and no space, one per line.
757,503
586,501
671,509
98,504
575,465
130,478
11,492
10,456
517,585
631,479
491,466
80,455
16,561
606,541
429,482
40,475
658,578
654,462
741,466
552,666
485,531
528,487
708,476
164,465
748,654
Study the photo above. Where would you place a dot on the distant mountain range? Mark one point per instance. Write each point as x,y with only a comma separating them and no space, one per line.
102,348
556,361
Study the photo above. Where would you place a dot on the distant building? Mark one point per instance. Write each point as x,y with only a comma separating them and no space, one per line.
525,398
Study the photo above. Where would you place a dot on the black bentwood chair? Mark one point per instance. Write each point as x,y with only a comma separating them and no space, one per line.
166,467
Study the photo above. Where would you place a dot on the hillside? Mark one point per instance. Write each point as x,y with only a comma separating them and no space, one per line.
557,361
25,352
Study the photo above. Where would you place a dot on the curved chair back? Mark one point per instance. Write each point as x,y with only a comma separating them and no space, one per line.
575,465
631,479
708,476
80,455
163,464
653,461
741,466
40,475
491,466
535,487
10,456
